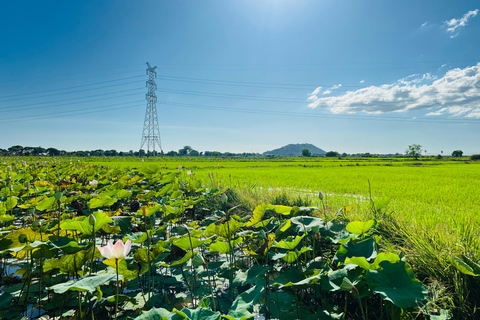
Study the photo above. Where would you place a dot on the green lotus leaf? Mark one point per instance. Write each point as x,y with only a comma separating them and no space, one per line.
384,256
168,178
86,284
145,255
396,283
325,315
128,270
285,210
10,203
244,302
359,261
123,194
290,245
125,223
5,299
137,237
102,200
307,224
149,169
201,314
364,248
19,238
185,258
225,230
188,242
162,314
257,216
305,283
6,217
83,225
47,203
71,263
220,246
359,228
32,203
164,190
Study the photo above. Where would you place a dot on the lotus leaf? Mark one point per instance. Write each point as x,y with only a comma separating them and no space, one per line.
307,224
359,228
396,283
86,284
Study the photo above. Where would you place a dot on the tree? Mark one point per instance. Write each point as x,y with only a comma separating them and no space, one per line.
194,153
184,151
414,150
457,153
306,152
38,151
331,154
15,150
52,152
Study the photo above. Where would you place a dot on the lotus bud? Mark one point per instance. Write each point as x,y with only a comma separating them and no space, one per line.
223,198
92,219
320,196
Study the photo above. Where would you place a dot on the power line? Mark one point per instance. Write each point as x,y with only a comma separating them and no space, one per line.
250,83
233,96
103,94
74,87
69,112
70,74
298,114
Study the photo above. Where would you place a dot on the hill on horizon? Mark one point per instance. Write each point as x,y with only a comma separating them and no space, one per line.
295,150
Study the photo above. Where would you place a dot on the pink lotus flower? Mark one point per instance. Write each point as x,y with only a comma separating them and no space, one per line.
117,251
93,183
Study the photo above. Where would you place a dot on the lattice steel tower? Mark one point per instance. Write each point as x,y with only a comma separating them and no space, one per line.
151,132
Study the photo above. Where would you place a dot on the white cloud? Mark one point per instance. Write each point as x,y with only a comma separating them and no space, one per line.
456,93
424,24
362,81
336,86
454,25
327,91
313,96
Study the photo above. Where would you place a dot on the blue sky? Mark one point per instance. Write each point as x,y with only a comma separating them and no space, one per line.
242,76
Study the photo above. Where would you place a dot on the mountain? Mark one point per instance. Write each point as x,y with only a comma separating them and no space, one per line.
295,150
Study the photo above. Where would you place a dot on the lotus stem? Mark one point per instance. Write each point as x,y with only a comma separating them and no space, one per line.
116,296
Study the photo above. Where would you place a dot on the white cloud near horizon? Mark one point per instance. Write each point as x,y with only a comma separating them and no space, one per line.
454,25
456,93
424,24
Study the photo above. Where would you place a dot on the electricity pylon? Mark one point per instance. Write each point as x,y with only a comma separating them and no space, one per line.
151,132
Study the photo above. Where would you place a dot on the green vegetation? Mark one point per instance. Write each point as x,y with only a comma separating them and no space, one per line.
414,151
306,153
457,153
291,238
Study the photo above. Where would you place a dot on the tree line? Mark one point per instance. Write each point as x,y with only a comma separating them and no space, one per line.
18,150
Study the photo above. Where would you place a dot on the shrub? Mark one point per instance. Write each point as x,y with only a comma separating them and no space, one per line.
475,157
